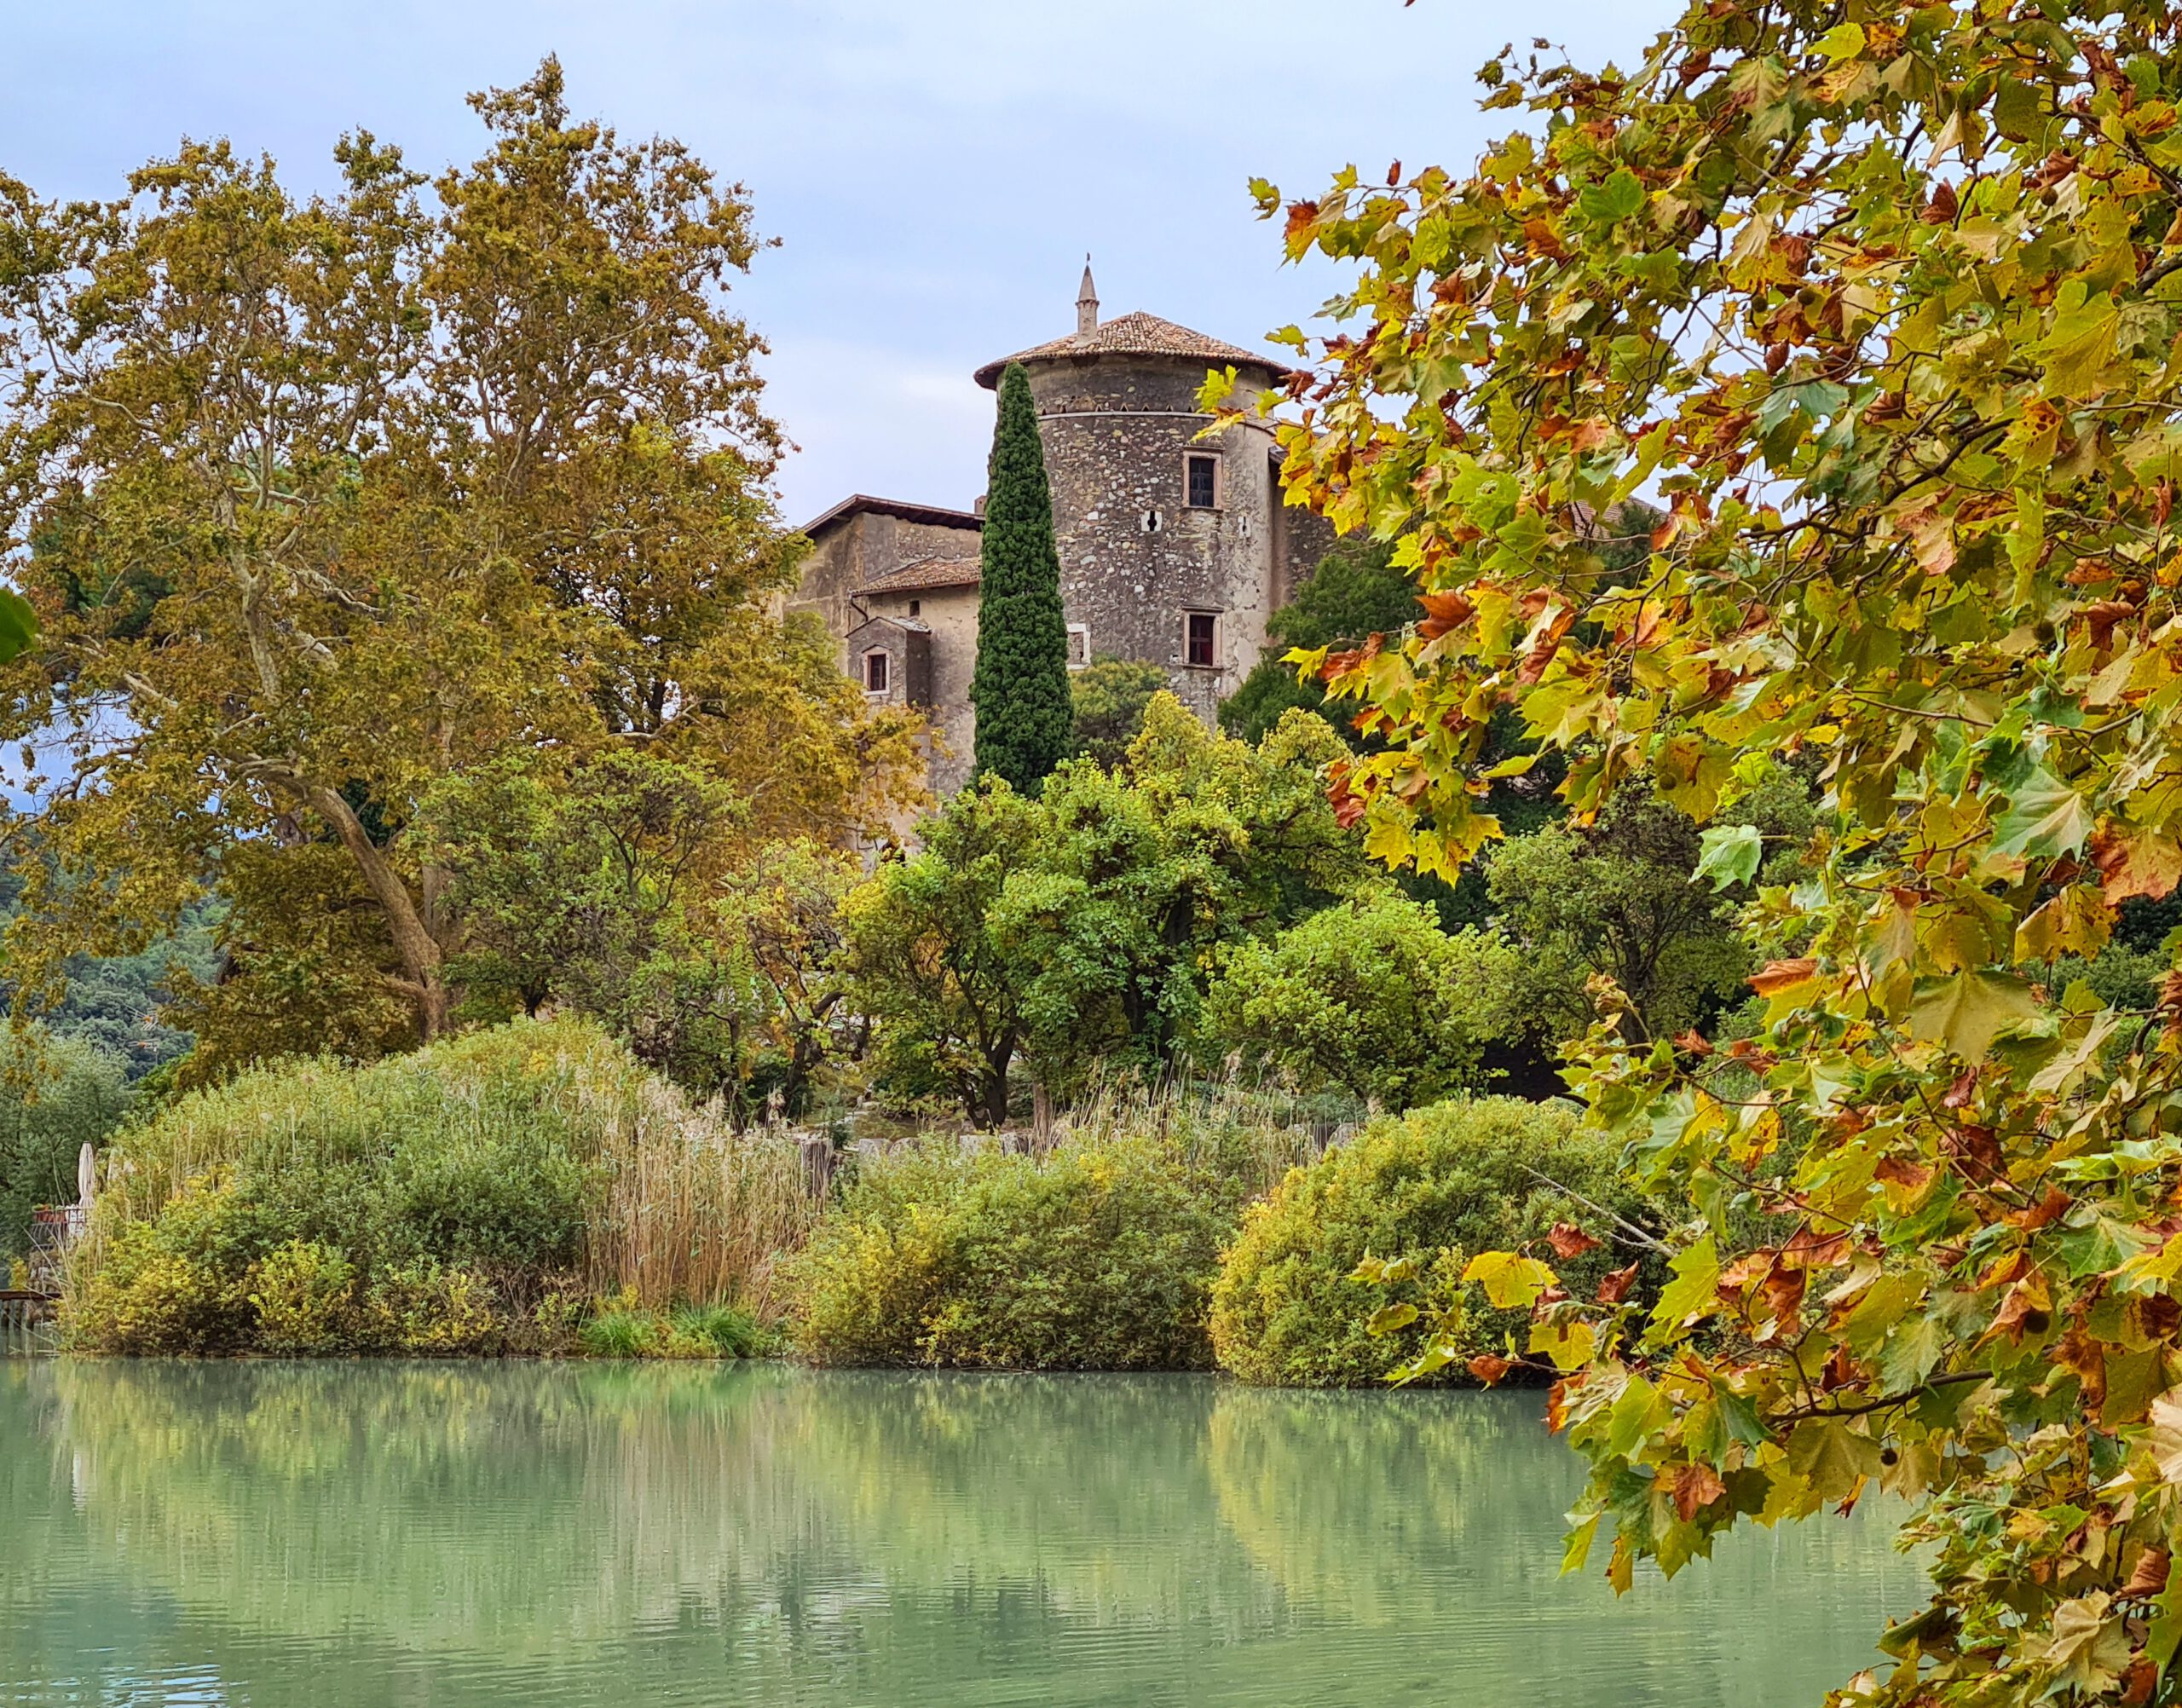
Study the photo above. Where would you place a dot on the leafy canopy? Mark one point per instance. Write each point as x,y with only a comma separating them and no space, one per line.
1369,997
1885,305
319,501
1078,928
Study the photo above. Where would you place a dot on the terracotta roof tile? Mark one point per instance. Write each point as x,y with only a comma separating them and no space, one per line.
1135,335
927,572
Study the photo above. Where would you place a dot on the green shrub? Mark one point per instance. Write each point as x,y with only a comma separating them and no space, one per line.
1099,1256
619,1333
723,1330
427,1306
175,1285
1460,1177
305,1293
1369,997
446,1201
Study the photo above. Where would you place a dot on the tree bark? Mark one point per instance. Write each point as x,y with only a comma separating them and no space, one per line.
994,1115
413,941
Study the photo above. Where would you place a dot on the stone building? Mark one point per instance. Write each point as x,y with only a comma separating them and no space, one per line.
1174,549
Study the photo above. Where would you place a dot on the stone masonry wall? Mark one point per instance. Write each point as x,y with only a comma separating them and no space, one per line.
1135,559
858,550
951,614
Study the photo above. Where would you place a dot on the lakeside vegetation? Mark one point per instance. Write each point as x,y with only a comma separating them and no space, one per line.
1874,719
534,1189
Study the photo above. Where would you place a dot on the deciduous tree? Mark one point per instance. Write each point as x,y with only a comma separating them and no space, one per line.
1371,997
1884,304
320,501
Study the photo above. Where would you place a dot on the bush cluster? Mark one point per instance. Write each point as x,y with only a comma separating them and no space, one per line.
438,1203
461,1200
1099,1256
1462,1177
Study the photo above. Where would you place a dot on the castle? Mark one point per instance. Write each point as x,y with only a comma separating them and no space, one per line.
1174,549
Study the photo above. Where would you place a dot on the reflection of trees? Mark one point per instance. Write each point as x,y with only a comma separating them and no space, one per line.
429,1502
1352,1506
1441,1512
765,1535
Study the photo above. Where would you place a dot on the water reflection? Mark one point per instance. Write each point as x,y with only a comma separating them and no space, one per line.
473,1535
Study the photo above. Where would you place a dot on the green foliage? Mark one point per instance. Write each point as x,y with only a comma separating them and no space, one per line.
1615,899
430,1204
116,1003
1421,1191
1882,301
305,1294
621,1334
58,1096
621,886
924,962
1355,591
731,1332
627,1329
1020,685
1078,929
1108,697
566,878
303,968
1099,1256
1368,996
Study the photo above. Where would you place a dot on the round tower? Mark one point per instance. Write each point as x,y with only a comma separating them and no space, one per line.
1174,549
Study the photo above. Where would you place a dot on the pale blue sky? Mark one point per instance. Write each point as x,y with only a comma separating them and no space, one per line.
936,168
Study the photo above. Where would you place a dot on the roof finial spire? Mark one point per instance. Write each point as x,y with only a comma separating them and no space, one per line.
1087,302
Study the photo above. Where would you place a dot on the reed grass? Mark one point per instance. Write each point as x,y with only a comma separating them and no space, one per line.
1251,1134
695,1211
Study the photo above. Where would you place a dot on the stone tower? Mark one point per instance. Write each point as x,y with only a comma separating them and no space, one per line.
1173,548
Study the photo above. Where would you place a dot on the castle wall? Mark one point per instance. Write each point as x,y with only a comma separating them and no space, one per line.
1135,557
950,615
858,549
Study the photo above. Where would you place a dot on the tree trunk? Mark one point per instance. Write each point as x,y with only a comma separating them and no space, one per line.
404,922
993,1115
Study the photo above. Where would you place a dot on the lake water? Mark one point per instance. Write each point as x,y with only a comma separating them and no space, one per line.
537,1536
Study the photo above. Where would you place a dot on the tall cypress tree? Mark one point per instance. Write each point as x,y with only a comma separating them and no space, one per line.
1020,686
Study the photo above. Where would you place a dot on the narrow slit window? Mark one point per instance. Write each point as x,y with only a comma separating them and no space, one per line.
1202,478
875,673
1079,646
1203,628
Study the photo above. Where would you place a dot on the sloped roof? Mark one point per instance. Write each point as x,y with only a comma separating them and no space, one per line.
926,573
1135,335
856,504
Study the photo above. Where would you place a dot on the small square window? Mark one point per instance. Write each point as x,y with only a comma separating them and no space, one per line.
875,673
1079,646
1202,478
1203,628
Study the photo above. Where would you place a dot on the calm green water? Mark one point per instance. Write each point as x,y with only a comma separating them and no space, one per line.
491,1535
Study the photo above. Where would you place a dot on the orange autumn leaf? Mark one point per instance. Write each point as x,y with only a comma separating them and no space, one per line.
1568,1240
1777,976
1695,1486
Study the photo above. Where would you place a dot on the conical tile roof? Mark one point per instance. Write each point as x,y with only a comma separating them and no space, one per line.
1135,335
